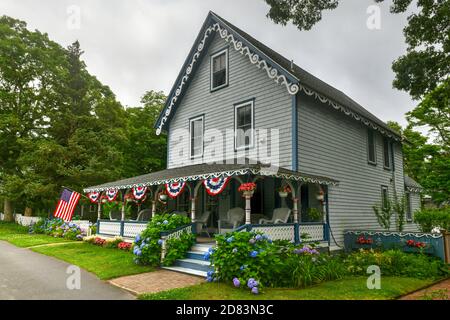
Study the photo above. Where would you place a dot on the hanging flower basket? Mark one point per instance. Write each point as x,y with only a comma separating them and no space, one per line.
247,189
320,196
284,191
163,196
129,197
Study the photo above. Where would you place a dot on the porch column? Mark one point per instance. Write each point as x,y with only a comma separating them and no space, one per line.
295,209
123,211
153,208
193,209
99,209
248,210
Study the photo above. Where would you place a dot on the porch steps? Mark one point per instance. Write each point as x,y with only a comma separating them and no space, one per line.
194,262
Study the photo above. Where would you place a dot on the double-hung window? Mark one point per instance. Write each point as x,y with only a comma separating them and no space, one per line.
409,216
219,70
196,136
385,197
243,125
387,153
371,151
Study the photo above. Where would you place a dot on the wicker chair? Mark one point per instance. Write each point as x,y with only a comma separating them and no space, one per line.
203,222
144,215
235,217
280,215
115,215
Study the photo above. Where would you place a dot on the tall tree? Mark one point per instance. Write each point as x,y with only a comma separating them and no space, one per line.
29,73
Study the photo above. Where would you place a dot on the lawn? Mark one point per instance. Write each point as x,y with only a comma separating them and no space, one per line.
105,263
19,236
346,289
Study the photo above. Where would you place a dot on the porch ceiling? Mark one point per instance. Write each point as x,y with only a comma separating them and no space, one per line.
205,171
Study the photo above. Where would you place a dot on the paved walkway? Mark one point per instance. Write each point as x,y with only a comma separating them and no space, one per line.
156,281
28,275
437,290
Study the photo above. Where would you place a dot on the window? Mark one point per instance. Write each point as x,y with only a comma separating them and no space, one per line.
243,125
384,197
219,70
387,153
371,151
408,207
196,136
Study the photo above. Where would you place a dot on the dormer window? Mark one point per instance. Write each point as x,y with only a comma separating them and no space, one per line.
219,70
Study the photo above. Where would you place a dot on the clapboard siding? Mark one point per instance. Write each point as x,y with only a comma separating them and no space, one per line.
335,145
272,108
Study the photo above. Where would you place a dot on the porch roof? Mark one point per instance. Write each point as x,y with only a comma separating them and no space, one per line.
204,171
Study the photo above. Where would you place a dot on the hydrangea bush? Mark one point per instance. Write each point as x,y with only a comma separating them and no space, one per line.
147,245
58,228
252,260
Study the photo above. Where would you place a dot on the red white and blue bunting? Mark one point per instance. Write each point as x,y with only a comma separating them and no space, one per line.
139,192
94,196
174,189
111,194
215,186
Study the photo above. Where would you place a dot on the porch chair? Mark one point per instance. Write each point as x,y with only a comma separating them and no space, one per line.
115,215
203,222
280,215
144,215
235,217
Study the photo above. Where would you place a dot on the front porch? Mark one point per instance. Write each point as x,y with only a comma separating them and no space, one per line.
279,214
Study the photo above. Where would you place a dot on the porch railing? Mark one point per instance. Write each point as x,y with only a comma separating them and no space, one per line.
125,229
174,234
316,232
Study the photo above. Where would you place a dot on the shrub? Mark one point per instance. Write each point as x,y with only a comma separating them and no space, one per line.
246,258
428,219
147,245
396,263
58,228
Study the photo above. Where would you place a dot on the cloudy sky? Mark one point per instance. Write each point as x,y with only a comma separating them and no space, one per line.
138,45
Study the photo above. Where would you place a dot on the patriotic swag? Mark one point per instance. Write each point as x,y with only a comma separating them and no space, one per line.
215,186
111,194
66,205
139,192
94,196
175,189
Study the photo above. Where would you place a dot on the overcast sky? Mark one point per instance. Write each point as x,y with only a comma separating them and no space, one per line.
137,45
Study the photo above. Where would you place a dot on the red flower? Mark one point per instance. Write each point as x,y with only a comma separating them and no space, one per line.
124,246
250,186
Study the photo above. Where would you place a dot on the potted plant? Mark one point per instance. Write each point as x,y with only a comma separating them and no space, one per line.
320,196
315,214
163,196
247,189
284,191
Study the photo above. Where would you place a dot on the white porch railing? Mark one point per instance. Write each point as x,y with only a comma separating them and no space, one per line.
125,229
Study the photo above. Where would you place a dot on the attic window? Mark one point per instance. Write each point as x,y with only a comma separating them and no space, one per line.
219,70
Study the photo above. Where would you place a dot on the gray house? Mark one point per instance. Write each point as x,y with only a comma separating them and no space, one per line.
241,113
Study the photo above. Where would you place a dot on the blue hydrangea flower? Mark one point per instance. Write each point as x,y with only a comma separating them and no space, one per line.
243,267
258,237
252,241
230,239
253,254
251,283
158,223
209,279
139,253
137,239
210,273
160,242
207,256
255,290
236,282
235,250
211,250
165,222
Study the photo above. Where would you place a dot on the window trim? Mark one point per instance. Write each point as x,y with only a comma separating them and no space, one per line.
250,102
374,163
408,207
389,155
384,187
211,59
191,120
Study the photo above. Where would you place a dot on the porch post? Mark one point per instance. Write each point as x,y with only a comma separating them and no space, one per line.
123,206
193,209
248,209
99,209
153,208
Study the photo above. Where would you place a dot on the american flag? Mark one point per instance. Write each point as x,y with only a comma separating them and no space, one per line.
66,205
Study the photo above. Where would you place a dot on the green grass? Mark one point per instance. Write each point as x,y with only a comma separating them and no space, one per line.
105,263
346,289
18,236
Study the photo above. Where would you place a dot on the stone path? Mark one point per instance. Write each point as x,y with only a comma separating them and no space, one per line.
438,290
160,280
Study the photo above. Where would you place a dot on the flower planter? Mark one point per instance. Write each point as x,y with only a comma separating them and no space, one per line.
248,193
282,194
163,197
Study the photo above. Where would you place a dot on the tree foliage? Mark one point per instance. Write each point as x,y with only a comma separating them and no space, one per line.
60,126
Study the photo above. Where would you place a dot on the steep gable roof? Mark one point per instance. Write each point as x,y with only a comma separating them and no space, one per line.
283,71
